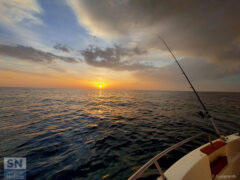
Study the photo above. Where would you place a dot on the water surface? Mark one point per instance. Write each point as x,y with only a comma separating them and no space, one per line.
103,134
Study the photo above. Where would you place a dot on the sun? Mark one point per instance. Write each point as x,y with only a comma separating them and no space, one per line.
100,85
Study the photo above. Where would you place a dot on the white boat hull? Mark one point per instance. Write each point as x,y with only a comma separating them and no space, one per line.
196,165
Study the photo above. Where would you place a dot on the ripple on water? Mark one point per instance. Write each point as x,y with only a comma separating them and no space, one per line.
91,134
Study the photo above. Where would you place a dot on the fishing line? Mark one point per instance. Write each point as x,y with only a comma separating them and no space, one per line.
207,115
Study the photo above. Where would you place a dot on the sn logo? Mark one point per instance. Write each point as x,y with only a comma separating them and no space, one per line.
14,163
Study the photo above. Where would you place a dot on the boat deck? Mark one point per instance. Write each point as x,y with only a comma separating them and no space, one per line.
217,160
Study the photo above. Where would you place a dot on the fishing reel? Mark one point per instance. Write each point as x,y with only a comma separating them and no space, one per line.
204,115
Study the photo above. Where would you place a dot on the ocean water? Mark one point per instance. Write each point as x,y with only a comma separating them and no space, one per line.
104,134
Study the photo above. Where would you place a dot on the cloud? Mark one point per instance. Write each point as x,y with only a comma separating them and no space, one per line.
19,18
116,57
61,47
196,69
203,74
32,54
202,29
16,11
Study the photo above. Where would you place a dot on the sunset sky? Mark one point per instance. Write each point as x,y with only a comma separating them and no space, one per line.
115,44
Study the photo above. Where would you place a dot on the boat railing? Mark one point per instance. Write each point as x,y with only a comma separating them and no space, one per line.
155,159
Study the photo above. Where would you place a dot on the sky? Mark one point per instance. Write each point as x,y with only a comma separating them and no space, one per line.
116,44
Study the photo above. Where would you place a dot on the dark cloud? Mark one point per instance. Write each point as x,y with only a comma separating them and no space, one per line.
32,54
196,69
207,29
116,57
61,47
200,72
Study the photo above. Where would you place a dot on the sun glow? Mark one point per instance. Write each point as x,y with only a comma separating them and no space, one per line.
100,85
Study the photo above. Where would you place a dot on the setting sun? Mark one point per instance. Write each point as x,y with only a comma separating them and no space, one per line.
99,85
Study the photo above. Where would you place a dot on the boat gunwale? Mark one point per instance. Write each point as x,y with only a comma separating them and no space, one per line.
154,160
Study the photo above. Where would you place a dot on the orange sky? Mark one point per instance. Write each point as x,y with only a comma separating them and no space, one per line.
11,78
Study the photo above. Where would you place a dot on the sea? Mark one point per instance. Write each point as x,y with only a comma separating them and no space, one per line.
105,134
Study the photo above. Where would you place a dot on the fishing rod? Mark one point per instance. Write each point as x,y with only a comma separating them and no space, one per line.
194,90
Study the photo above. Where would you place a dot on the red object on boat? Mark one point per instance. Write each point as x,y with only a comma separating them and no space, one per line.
211,148
218,165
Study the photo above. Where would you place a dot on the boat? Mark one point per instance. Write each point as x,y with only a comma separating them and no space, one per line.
215,160
218,160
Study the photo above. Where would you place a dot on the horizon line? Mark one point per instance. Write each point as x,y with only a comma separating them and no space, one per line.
81,88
